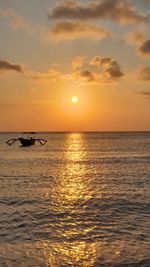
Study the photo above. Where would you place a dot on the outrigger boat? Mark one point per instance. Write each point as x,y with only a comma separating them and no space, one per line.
29,141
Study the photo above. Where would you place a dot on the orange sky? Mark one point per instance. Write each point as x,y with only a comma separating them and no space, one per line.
53,50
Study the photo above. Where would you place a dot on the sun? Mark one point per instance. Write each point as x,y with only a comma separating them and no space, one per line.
74,99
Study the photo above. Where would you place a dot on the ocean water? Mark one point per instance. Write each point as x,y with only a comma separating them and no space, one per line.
83,199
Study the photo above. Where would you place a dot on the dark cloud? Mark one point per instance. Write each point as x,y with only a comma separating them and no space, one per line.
5,65
71,30
146,93
120,11
88,75
110,70
110,66
105,60
114,70
144,49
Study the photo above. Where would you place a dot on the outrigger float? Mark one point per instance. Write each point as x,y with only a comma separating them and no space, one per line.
29,141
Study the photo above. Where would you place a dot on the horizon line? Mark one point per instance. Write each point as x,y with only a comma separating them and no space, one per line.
86,131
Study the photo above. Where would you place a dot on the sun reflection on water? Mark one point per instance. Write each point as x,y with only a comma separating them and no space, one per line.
70,254
69,193
72,185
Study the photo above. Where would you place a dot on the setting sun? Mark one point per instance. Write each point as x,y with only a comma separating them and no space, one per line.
74,99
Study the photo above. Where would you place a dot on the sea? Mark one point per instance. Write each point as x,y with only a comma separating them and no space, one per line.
82,199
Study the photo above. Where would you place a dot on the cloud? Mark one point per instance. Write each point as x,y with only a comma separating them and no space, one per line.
7,66
144,73
114,70
144,49
135,37
100,61
120,11
111,67
77,62
88,75
106,70
146,93
16,21
77,76
81,72
139,39
71,30
51,75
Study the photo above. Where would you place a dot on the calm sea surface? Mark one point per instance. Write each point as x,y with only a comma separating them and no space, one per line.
83,199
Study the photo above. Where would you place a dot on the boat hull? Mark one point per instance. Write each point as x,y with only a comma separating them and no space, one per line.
27,142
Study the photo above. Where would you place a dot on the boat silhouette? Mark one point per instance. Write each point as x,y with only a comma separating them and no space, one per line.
29,141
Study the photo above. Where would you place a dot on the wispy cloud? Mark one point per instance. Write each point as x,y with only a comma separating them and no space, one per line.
143,73
8,66
51,75
16,21
66,30
7,105
146,93
78,62
135,37
120,11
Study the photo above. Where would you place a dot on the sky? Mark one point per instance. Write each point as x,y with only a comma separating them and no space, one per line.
98,51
